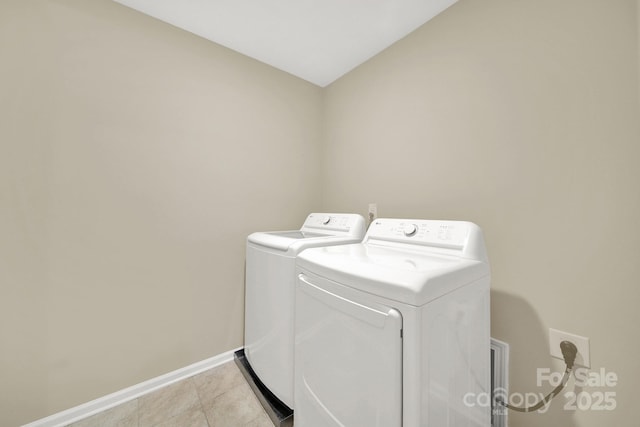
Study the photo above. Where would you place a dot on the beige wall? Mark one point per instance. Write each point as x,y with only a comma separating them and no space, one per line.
523,117
134,160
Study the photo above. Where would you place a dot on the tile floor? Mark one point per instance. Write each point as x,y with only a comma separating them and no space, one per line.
219,397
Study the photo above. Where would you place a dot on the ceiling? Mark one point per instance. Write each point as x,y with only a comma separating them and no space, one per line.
316,40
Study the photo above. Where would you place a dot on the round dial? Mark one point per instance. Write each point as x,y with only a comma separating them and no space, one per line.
326,219
409,229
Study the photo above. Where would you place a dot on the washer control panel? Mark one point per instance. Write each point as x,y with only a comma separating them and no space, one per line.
446,234
332,223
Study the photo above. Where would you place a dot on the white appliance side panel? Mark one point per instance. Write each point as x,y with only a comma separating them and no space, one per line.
348,354
455,359
268,326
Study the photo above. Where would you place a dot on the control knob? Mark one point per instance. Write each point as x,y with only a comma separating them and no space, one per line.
409,230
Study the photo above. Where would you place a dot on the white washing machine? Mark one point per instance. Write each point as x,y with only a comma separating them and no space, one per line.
394,331
270,293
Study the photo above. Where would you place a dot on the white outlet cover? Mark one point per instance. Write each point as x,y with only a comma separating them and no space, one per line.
581,343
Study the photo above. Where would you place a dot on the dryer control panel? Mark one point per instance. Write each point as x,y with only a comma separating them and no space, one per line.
450,236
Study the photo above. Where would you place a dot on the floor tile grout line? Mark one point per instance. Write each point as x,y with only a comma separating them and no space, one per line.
185,386
200,399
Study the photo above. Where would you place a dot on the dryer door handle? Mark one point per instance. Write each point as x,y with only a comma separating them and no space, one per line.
373,316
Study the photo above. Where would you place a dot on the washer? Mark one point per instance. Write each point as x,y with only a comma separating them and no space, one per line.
394,331
270,293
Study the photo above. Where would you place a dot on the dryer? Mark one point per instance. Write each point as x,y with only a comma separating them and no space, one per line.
394,331
270,293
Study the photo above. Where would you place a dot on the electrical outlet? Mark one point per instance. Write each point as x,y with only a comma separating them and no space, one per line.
581,343
373,211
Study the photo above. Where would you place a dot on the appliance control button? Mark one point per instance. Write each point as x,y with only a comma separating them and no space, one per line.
326,219
410,229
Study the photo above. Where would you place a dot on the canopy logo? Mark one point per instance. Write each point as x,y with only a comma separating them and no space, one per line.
593,400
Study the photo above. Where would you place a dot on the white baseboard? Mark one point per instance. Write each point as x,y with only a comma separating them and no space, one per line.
114,399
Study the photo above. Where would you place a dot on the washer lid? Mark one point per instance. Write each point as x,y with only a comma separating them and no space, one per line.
318,229
401,275
283,240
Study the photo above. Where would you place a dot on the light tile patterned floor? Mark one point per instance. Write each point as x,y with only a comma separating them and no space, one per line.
219,397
